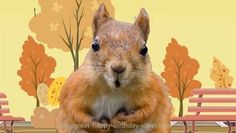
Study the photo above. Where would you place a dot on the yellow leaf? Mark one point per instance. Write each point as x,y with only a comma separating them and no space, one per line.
224,70
214,74
219,85
229,81
55,90
220,75
216,62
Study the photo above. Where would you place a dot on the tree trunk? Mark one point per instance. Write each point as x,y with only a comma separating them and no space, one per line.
76,63
75,67
181,107
37,102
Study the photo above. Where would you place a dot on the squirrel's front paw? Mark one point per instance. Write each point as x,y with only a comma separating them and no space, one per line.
120,118
102,125
125,118
104,120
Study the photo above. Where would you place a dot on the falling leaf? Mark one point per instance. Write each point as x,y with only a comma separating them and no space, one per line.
220,74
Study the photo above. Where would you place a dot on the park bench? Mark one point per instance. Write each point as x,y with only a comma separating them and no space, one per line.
224,108
6,118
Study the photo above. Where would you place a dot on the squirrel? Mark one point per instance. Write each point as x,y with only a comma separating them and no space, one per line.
115,89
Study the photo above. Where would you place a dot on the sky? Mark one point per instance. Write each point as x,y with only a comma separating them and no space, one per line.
206,28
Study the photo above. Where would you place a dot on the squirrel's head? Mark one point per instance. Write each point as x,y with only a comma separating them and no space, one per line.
119,52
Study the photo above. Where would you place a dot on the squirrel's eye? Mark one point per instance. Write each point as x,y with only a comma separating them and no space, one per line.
95,46
143,50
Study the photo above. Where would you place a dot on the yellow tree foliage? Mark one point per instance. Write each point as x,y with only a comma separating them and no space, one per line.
220,75
54,91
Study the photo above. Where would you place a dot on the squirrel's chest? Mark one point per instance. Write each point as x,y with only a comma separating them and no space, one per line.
108,105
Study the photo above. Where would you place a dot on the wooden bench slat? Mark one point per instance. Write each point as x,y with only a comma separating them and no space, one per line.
214,91
212,109
7,110
212,100
206,118
2,95
11,118
3,102
4,110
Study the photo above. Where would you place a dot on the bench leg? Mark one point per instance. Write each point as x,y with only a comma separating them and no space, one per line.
185,127
229,126
193,127
12,126
233,127
4,125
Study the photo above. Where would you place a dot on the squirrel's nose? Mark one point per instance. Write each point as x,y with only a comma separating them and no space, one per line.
118,69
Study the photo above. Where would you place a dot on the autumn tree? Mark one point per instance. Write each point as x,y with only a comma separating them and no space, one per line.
179,72
66,24
36,68
220,74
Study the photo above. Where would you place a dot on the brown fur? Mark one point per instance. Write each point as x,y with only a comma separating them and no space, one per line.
147,98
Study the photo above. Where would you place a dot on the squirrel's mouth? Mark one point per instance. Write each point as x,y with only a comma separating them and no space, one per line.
117,83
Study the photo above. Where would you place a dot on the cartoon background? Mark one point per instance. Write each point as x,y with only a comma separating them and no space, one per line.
206,28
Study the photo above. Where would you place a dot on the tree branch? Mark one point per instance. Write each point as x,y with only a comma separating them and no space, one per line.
78,37
185,84
35,82
42,80
178,84
69,41
64,41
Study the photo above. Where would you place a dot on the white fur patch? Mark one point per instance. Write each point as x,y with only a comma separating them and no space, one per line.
108,105
110,80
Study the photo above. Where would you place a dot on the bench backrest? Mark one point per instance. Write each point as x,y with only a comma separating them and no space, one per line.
228,96
3,103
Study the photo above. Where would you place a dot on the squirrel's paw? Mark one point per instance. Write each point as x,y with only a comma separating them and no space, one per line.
121,117
101,127
125,118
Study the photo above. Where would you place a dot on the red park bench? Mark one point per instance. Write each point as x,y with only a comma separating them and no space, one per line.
4,110
219,97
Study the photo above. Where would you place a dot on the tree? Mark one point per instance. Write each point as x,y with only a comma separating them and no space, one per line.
220,75
36,68
66,24
179,72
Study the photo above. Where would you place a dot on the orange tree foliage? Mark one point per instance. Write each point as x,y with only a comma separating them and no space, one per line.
179,72
36,67
66,24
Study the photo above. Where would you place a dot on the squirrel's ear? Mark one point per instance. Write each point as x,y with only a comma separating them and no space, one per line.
101,17
142,22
